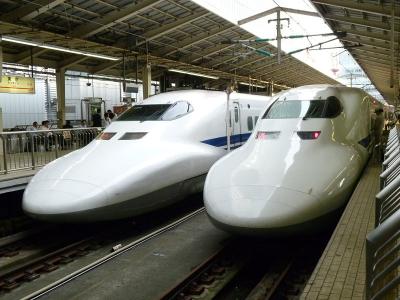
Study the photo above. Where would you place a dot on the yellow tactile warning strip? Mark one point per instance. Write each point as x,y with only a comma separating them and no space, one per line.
340,273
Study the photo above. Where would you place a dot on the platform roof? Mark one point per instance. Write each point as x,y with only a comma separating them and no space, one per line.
368,23
167,34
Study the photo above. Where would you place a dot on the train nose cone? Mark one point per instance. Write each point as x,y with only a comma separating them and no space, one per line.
258,207
46,199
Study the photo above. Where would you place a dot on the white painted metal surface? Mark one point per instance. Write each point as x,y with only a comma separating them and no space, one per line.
116,178
296,167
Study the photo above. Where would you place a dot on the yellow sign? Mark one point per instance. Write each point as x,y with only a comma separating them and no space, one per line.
17,85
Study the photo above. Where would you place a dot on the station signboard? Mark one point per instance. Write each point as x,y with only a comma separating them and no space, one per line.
17,85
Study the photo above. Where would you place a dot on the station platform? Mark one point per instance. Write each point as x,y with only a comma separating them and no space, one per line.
16,181
341,270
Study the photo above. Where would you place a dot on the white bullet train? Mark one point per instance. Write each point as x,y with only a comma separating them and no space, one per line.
155,153
299,165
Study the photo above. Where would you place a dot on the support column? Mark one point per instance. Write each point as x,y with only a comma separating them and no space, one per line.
146,74
60,82
1,59
163,82
272,87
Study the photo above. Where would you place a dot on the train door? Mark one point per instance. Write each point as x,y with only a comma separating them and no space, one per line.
236,136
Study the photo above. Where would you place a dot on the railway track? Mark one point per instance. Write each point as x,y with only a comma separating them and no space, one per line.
258,271
117,251
243,268
85,251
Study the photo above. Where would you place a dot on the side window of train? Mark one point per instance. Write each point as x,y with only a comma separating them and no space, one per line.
333,108
236,114
250,123
255,120
177,110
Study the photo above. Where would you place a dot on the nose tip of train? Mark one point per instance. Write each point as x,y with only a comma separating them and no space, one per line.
63,200
258,209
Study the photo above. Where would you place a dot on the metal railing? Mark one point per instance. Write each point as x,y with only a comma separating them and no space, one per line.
383,243
31,149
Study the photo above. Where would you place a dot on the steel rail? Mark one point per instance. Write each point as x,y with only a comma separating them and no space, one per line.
57,284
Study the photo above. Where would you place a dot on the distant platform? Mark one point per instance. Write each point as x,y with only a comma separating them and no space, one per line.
340,273
16,180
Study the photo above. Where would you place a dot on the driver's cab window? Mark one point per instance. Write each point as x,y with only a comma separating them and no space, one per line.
177,110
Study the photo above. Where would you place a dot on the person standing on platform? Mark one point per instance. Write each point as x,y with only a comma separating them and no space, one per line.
68,125
96,118
107,120
48,136
34,127
111,115
33,142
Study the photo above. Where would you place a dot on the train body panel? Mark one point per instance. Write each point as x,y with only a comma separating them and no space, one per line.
296,166
138,155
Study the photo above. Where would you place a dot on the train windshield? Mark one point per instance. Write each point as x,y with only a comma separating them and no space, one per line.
306,109
156,112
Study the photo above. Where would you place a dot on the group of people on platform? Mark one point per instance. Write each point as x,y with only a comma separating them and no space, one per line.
48,139
109,116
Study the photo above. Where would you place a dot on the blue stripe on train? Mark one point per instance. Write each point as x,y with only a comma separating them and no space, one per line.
222,141
365,141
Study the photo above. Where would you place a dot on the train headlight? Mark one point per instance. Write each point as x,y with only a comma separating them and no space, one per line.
267,135
308,135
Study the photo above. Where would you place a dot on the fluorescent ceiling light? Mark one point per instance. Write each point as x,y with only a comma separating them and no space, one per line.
194,74
55,48
255,85
61,49
18,41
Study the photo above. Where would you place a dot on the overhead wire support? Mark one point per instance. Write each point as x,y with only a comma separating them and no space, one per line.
259,51
312,46
278,11
266,53
295,36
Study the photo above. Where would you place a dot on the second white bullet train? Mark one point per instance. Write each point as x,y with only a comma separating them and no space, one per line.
152,155
299,165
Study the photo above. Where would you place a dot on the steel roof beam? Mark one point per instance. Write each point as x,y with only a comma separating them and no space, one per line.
104,66
25,56
379,52
367,34
155,33
9,58
368,43
275,66
29,11
373,62
368,58
71,61
190,41
250,62
219,62
366,53
359,22
361,7
205,53
104,22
